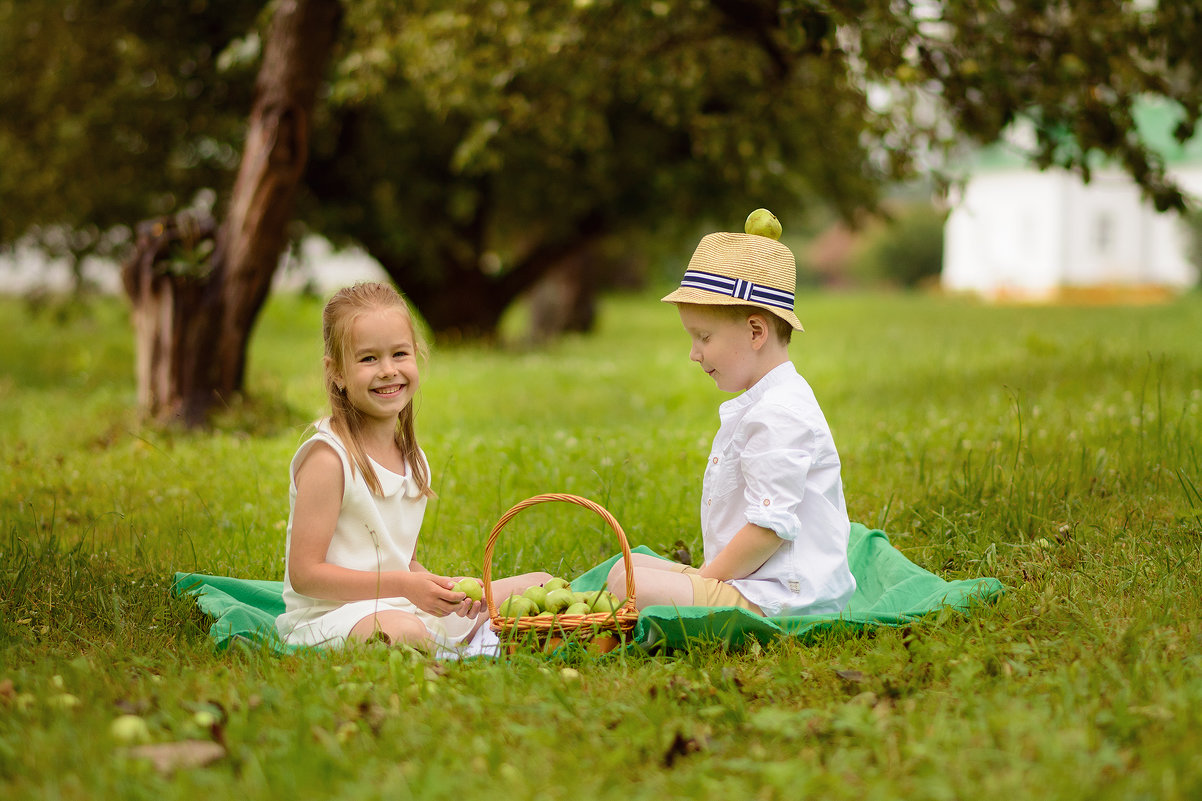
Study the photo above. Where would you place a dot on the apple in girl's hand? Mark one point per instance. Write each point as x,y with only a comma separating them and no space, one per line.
469,587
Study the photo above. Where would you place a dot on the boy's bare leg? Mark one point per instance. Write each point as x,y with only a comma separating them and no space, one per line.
656,582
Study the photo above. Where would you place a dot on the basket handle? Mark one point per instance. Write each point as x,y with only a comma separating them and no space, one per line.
544,498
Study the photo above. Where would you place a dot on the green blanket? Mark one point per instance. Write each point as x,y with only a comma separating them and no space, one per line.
890,591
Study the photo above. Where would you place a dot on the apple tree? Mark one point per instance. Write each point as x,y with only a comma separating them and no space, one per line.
474,147
110,115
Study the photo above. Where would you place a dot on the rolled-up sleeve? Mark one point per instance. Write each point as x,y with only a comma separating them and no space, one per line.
775,462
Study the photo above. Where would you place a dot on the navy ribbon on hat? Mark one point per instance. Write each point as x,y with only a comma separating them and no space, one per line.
738,288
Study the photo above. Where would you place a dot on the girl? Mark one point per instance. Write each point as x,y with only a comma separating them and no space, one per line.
358,492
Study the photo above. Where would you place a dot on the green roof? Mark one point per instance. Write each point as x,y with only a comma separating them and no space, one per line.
1155,121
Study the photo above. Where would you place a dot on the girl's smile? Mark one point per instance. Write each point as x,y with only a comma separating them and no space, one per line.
381,369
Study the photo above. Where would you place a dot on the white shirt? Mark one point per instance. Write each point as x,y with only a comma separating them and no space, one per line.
773,463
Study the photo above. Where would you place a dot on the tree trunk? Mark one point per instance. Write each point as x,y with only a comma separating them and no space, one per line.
463,306
163,284
193,326
460,301
565,299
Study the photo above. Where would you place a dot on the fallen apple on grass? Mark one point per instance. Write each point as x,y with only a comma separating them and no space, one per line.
130,729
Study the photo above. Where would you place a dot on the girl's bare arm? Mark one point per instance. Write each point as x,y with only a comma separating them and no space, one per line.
318,501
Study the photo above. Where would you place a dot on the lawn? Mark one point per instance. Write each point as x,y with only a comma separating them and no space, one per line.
1056,449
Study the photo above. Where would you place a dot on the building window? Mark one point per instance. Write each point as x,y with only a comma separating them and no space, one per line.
1103,232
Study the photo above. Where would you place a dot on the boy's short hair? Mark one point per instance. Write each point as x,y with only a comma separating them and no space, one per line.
783,330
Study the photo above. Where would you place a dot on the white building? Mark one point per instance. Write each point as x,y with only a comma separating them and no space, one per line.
1018,233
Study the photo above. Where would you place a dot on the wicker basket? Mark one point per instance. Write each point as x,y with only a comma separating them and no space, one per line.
598,631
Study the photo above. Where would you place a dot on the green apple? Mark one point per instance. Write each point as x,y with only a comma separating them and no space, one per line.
556,583
537,596
558,600
606,602
469,587
578,608
204,718
517,606
130,729
528,609
64,701
763,223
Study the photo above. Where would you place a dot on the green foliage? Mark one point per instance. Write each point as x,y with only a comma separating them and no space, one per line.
1054,448
906,249
110,113
635,102
471,146
1072,73
495,140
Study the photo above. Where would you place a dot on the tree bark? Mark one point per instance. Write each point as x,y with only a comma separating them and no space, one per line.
193,330
565,299
463,302
163,283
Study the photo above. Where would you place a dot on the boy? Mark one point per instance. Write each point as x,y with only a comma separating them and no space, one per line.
773,517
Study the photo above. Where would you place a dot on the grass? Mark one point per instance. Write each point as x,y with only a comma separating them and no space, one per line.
1054,448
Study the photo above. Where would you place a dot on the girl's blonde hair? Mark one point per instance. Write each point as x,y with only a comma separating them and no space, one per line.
337,320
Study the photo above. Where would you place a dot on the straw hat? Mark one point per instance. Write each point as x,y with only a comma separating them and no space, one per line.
741,270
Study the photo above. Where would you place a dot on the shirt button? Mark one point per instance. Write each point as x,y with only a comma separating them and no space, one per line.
767,502
709,501
715,460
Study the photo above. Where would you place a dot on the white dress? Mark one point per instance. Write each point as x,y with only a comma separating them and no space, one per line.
375,533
